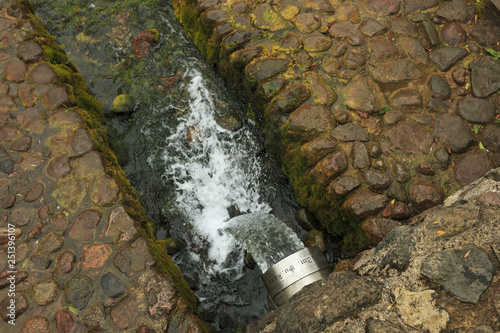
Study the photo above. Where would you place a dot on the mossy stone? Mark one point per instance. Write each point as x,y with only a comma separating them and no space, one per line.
123,103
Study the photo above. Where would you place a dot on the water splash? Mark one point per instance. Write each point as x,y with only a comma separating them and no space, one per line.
265,237
212,169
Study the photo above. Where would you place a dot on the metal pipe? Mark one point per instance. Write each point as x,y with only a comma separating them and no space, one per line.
291,274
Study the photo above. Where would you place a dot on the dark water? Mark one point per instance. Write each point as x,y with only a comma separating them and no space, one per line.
189,188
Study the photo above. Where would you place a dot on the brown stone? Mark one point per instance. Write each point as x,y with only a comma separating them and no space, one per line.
134,259
44,211
58,167
320,89
143,43
15,71
410,137
21,216
81,142
36,231
60,221
124,313
348,12
34,193
50,244
8,201
4,234
316,149
21,302
425,196
42,74
311,120
4,88
400,70
45,291
307,22
105,192
383,49
377,228
7,103
364,95
353,58
317,43
84,227
32,119
8,133
64,322
365,203
36,325
27,95
65,262
472,166
95,256
29,51
348,30
162,296
56,97
385,7
406,98
330,167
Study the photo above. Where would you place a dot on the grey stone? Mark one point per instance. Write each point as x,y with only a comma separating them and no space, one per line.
6,161
379,326
453,34
396,248
425,196
413,5
400,70
364,203
454,131
360,156
344,185
410,137
430,33
445,57
491,138
465,273
486,32
349,292
472,166
438,86
456,10
78,291
437,105
371,27
350,132
377,179
112,286
485,77
476,110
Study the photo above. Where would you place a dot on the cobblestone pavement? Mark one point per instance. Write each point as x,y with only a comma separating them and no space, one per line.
71,258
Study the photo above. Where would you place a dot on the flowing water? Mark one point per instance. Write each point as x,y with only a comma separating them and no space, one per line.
188,149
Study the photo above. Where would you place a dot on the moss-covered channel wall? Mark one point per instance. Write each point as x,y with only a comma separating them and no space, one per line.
369,105
92,225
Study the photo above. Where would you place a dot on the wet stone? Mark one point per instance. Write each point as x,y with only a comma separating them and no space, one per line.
134,259
379,326
364,203
445,57
78,291
27,95
21,216
485,77
317,43
112,286
94,316
29,51
472,166
344,185
50,244
4,234
36,324
425,169
464,273
339,49
266,68
406,98
348,12
414,5
143,43
486,32
364,95
316,149
56,97
438,86
58,167
7,103
95,256
64,322
212,16
400,171
105,192
400,211
430,33
4,88
124,313
15,71
415,49
21,305
239,7
32,119
454,131
81,142
321,5
8,201
238,38
400,70
491,138
36,231
6,161
476,110
19,277
34,193
44,211
330,167
371,27
350,132
458,76
456,11
273,87
383,48
396,191
45,291
384,7
377,228
377,179
437,105
453,34
311,120
289,99
120,225
425,196
161,295
404,27
264,17
42,74
65,262
360,156
307,22
347,30
206,4
84,227
60,221
8,133
410,137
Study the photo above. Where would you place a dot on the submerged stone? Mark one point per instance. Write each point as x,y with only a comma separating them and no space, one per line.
123,103
311,120
348,30
265,68
266,18
307,22
400,70
320,89
445,57
364,95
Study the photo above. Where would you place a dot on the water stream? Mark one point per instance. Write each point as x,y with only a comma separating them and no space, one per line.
188,149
